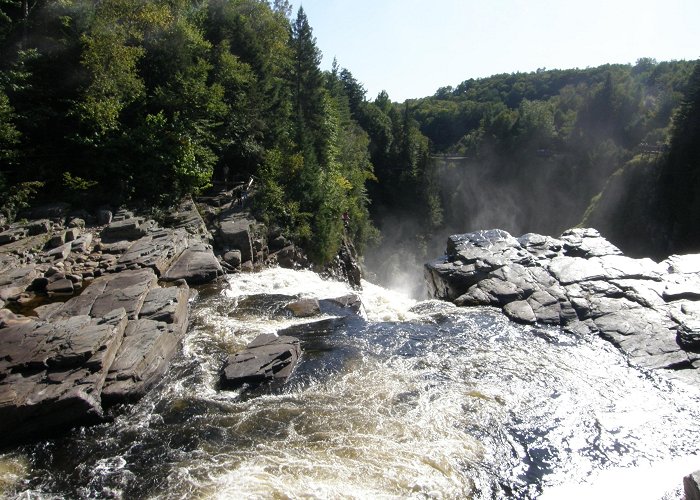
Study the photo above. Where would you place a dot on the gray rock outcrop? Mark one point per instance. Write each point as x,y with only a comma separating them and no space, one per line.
583,283
265,359
691,486
196,265
52,374
108,345
115,334
111,343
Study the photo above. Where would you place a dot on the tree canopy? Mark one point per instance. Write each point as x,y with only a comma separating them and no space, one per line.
124,100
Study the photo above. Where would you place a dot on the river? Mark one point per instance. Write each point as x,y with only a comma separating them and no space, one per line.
411,400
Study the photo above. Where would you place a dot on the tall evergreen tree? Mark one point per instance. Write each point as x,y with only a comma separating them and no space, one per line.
308,90
681,180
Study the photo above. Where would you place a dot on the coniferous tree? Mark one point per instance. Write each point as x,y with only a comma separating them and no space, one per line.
307,90
681,180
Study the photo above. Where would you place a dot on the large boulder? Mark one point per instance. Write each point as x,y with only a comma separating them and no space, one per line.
108,345
196,265
265,359
236,234
104,216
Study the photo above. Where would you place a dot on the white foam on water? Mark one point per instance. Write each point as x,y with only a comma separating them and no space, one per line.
359,435
13,469
654,481
278,280
386,305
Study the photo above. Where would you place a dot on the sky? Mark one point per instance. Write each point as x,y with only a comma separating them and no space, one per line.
411,48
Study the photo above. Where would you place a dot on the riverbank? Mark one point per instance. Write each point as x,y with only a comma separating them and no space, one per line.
93,306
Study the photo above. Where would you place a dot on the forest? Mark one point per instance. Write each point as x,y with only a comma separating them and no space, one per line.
128,101
611,147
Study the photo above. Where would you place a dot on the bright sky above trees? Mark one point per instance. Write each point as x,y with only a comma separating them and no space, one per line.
410,48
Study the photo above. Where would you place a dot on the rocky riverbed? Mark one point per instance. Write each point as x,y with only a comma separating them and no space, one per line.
649,310
94,306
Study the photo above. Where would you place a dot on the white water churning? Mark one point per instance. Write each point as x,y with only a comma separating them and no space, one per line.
406,400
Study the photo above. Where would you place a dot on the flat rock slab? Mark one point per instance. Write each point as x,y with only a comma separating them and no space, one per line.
25,244
568,270
157,251
149,344
196,265
166,304
267,358
583,283
16,281
127,290
52,374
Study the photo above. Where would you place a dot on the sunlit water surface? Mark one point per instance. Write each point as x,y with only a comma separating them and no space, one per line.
409,400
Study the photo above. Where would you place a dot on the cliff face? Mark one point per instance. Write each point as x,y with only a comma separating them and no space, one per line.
580,281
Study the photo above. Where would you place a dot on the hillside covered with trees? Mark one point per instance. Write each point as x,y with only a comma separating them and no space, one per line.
125,101
538,149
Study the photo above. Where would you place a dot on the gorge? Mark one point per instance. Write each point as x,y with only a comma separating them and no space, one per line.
196,218
395,397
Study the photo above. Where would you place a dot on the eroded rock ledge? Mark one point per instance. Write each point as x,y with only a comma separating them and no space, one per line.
580,281
84,322
108,345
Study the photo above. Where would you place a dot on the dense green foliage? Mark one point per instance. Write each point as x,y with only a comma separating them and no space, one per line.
681,175
537,147
650,205
128,100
